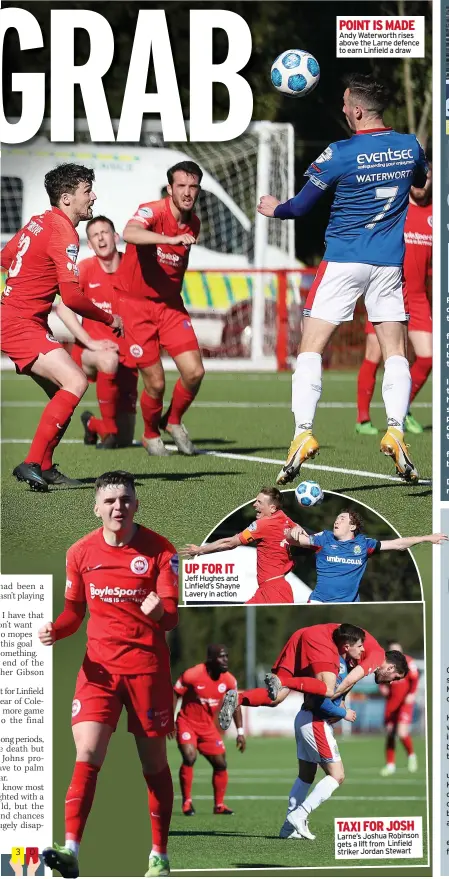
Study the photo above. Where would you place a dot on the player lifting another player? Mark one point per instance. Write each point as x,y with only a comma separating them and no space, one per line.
372,173
149,283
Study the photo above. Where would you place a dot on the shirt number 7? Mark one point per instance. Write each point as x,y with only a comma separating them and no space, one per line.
387,194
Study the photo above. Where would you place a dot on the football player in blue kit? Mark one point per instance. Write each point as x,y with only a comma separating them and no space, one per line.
342,555
371,173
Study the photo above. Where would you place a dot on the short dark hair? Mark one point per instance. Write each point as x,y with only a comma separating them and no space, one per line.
188,167
115,477
373,95
274,495
394,657
214,650
66,178
347,634
100,219
355,519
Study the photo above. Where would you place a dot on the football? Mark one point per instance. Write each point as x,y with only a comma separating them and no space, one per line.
295,73
308,494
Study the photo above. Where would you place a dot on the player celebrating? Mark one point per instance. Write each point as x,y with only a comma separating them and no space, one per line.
201,689
417,262
95,350
316,746
399,704
342,555
40,260
372,173
267,534
159,237
127,576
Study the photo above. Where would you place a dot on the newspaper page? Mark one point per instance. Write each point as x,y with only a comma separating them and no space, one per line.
223,644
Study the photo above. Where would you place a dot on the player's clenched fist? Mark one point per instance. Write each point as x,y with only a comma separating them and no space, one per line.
350,715
117,326
267,205
46,634
295,533
152,607
185,238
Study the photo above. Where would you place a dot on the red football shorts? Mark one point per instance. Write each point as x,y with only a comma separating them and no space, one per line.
24,339
401,714
275,591
206,741
306,658
420,314
100,695
150,326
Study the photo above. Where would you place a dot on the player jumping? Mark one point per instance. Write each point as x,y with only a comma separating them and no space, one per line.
342,555
267,534
127,576
400,701
201,689
417,262
159,237
372,173
95,350
41,261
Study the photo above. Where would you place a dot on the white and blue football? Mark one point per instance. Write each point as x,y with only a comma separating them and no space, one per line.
295,73
308,494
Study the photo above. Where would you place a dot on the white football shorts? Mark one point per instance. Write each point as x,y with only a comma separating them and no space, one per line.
315,740
338,286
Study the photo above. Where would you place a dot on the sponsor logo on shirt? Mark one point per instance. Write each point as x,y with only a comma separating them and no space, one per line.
76,707
222,688
105,306
115,595
136,351
337,558
383,157
139,565
72,251
164,257
94,285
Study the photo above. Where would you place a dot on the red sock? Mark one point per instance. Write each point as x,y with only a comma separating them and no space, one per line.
107,396
255,698
160,806
366,383
180,402
151,414
54,421
408,744
303,684
127,379
79,799
186,781
419,373
219,784
390,755
47,461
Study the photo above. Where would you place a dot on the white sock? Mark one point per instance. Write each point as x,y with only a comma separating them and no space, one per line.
159,854
396,388
321,792
73,846
306,390
297,795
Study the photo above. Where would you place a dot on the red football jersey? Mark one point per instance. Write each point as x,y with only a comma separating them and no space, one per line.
418,248
156,271
273,551
97,285
114,581
40,257
400,689
314,646
202,695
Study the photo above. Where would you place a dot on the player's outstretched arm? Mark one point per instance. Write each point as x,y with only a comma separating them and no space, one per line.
403,543
297,536
295,207
355,675
238,720
191,550
74,327
134,233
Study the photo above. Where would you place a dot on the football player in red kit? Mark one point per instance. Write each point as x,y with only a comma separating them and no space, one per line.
126,575
41,261
96,350
159,237
267,534
201,689
400,701
417,263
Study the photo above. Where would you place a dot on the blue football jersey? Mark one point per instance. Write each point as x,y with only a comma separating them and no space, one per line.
372,173
326,708
340,565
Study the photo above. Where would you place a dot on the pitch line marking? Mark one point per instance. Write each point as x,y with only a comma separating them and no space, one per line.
216,404
334,798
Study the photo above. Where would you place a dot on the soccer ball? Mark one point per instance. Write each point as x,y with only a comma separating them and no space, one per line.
295,73
308,494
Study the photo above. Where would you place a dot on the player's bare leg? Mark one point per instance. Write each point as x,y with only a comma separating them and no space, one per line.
219,782
156,771
91,742
306,392
420,371
151,402
396,387
334,777
189,755
57,369
191,370
102,366
366,381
